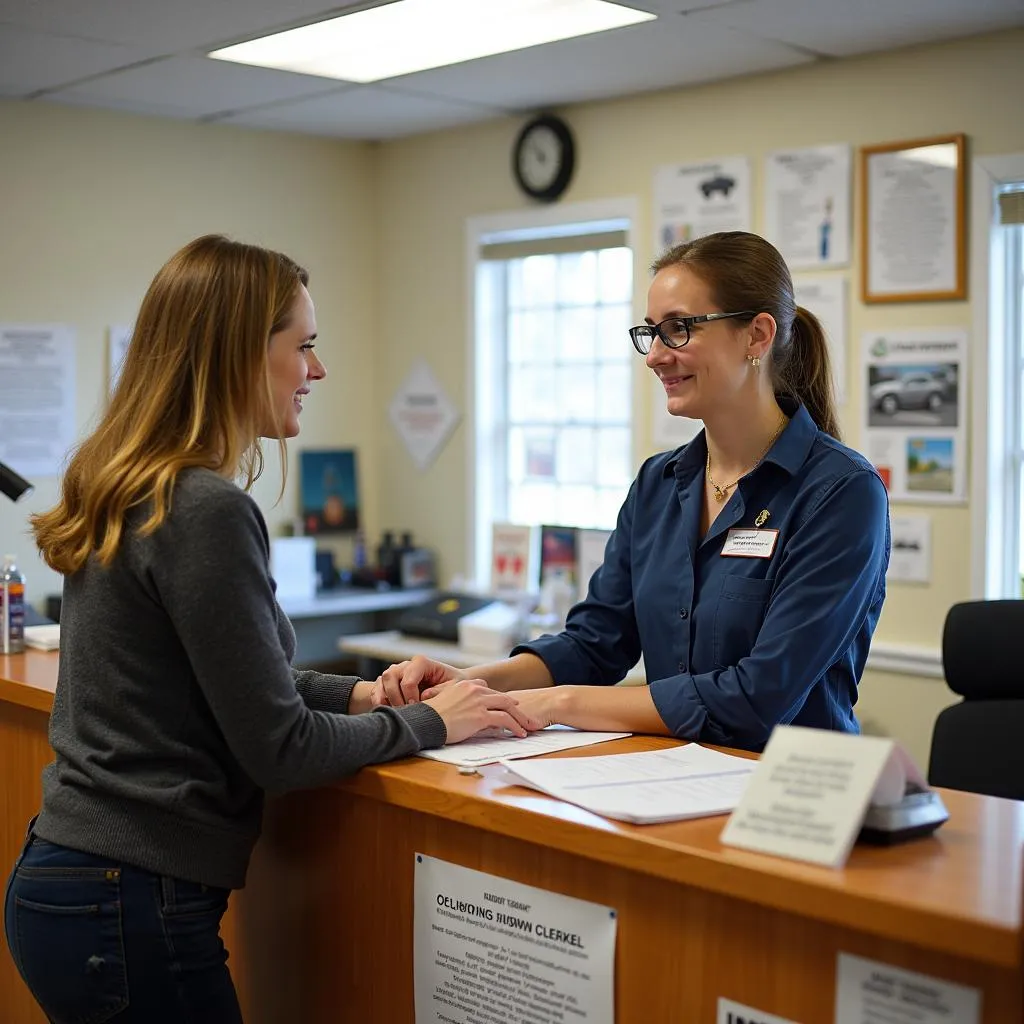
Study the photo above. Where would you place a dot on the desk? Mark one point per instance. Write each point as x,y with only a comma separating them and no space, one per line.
319,620
392,646
323,931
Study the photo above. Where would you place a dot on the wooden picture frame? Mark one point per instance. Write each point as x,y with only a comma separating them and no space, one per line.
913,214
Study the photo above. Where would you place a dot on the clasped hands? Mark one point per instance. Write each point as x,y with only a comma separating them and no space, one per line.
468,706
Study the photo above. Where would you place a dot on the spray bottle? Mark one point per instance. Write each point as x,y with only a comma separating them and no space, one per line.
12,608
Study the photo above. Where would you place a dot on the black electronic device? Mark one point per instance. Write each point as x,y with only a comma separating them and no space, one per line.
439,617
13,484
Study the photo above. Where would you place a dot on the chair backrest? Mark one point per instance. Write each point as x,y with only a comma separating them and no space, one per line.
976,744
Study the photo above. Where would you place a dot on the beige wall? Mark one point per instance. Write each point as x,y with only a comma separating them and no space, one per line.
92,202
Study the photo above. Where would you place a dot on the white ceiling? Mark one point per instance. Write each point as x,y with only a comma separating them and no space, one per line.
148,56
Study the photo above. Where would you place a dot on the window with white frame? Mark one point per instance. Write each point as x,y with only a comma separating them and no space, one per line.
1001,495
1010,202
554,372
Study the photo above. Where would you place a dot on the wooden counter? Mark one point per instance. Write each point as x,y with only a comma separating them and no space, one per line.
323,930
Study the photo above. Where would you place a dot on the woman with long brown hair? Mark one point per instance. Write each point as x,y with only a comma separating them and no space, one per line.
176,704
748,567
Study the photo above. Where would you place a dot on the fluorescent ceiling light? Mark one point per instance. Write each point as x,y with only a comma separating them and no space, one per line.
413,35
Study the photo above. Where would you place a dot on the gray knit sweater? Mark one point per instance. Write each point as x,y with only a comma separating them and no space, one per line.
176,703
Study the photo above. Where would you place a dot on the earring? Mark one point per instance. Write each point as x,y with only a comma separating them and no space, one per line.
755,362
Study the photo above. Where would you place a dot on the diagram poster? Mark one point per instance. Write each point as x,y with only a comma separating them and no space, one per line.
691,200
807,206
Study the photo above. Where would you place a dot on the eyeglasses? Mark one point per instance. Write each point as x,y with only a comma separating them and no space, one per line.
675,331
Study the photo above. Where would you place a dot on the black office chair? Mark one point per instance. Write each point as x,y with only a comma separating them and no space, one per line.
978,744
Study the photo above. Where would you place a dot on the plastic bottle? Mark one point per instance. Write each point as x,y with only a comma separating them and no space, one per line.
12,607
359,551
386,558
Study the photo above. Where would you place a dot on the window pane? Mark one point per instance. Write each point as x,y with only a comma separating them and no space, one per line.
614,393
564,374
576,392
577,279
575,338
613,324
615,275
538,280
533,503
613,457
531,394
514,283
609,501
576,455
531,336
1021,412
576,505
1020,536
516,448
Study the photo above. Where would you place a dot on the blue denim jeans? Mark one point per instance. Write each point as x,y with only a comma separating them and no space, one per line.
99,940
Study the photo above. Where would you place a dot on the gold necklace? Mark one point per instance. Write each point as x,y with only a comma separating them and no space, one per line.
721,493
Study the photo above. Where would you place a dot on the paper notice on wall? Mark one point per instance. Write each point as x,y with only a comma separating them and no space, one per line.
915,420
37,397
869,992
911,558
422,414
807,205
489,950
824,295
691,200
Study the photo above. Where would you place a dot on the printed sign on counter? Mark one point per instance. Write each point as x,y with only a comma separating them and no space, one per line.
810,790
489,950
868,992
736,1013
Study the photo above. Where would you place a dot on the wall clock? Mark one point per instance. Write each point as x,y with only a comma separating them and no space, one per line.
543,158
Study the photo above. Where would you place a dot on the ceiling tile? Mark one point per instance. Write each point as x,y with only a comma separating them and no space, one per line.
365,112
656,55
847,28
673,6
31,61
193,87
71,50
169,26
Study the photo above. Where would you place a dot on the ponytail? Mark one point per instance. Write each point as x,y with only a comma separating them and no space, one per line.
806,371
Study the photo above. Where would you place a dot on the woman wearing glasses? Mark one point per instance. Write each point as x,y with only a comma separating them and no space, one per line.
748,566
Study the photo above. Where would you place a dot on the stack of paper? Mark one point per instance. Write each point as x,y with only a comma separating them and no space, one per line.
659,785
43,638
491,749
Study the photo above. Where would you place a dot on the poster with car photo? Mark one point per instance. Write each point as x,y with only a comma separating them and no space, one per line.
691,200
915,390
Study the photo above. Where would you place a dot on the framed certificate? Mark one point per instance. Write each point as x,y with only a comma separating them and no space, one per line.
913,239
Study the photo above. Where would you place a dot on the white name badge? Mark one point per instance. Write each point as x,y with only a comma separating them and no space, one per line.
750,543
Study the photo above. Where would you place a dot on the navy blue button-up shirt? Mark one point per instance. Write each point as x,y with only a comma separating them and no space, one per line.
733,646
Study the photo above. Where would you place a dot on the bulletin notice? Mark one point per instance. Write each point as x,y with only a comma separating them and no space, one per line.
489,950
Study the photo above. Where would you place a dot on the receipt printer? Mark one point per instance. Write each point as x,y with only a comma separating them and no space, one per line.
439,617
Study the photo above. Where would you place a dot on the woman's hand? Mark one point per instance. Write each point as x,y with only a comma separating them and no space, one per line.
469,706
361,698
544,706
405,682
